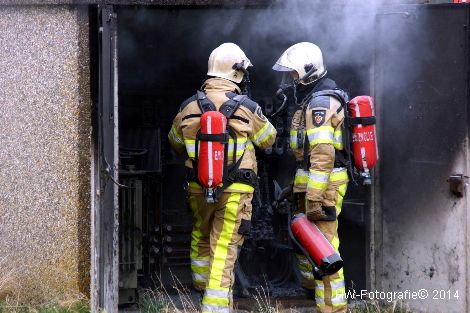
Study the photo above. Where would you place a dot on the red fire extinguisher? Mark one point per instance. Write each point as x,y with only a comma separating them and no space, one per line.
212,140
364,143
322,255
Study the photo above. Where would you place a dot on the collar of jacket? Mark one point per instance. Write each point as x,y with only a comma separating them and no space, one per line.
220,84
323,84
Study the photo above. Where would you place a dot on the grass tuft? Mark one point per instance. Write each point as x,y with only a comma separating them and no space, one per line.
264,302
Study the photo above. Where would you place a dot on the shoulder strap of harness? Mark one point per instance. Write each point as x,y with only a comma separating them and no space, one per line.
231,173
205,105
229,107
339,94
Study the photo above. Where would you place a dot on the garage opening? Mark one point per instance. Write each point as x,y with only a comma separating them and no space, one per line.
162,60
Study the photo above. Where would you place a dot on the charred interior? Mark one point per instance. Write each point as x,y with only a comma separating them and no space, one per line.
162,61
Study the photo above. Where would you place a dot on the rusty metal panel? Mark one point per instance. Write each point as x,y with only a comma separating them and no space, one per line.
422,90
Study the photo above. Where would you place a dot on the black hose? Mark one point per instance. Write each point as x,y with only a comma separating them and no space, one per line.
282,107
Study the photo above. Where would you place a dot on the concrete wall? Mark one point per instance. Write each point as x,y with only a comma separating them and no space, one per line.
44,151
423,243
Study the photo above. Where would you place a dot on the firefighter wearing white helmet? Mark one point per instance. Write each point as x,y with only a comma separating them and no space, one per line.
222,60
219,227
321,177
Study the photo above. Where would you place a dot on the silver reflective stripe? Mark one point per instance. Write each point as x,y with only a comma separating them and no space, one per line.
323,178
209,154
264,134
200,263
338,139
338,169
322,134
214,308
301,172
175,137
216,293
240,146
339,299
199,277
307,275
304,261
190,148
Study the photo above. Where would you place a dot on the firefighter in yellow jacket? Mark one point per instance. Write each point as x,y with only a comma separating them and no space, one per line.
321,178
219,227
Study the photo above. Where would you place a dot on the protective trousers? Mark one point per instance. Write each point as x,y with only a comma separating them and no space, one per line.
330,291
217,233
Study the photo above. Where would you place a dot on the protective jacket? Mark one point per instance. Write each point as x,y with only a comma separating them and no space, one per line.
319,125
250,125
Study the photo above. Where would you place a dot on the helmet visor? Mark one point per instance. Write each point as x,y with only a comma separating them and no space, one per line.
281,68
286,80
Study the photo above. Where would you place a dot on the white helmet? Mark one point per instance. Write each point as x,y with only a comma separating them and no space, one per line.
300,58
223,59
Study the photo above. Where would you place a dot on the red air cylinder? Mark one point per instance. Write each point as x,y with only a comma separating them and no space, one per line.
317,246
211,150
364,144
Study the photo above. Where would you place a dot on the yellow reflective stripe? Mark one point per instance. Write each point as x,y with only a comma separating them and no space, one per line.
196,234
305,267
242,144
293,139
216,301
221,245
301,177
174,136
338,139
190,147
199,269
335,243
263,134
239,140
322,134
318,180
242,187
339,201
319,291
338,176
194,185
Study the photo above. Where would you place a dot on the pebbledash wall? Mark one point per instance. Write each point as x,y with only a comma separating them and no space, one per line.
45,127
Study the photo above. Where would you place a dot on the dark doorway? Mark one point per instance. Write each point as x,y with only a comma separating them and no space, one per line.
163,55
